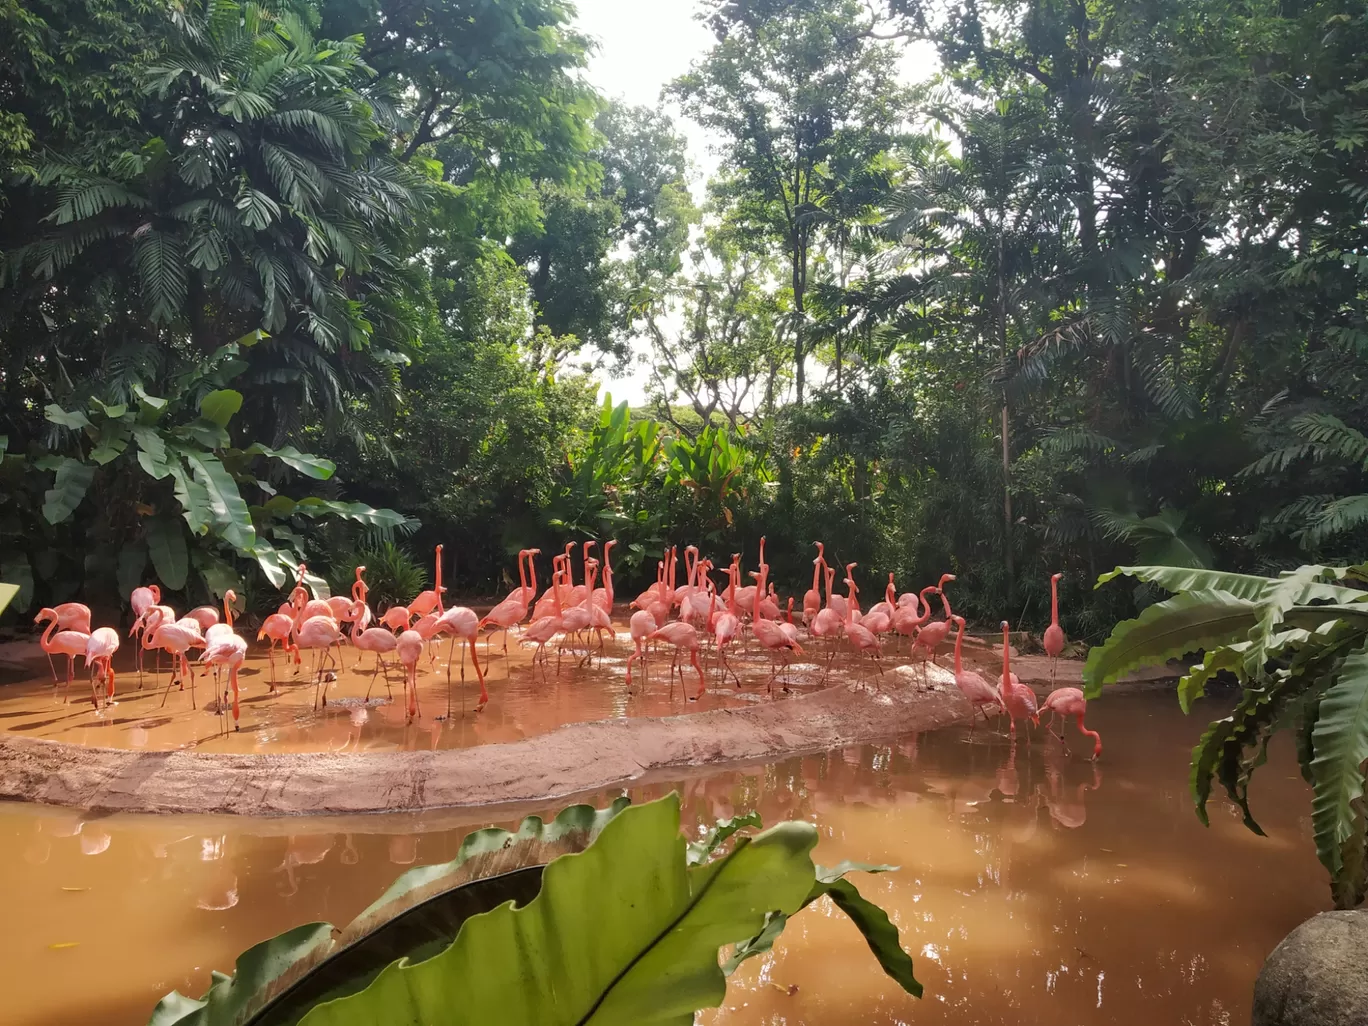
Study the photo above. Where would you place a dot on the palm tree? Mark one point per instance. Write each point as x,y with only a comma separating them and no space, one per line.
264,199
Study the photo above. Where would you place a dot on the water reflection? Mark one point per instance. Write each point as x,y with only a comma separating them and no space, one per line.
1028,892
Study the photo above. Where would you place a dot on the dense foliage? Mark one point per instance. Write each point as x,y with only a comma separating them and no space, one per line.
1298,644
1092,293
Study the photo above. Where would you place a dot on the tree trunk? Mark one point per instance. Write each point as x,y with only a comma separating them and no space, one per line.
799,335
1006,427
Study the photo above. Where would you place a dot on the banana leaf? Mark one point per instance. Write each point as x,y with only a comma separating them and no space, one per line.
278,981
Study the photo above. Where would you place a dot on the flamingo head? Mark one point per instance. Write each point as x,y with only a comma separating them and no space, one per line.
943,580
156,593
45,614
1055,577
608,546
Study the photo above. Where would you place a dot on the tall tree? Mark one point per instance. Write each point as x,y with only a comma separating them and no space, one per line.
789,87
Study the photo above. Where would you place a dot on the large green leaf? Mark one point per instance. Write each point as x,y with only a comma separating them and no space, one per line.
382,519
230,511
132,563
220,405
74,419
873,923
1304,585
316,467
16,569
8,593
1340,740
166,546
67,491
191,494
624,932
1165,630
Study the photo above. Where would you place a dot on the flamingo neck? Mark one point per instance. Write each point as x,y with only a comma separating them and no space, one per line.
45,642
959,647
437,589
1054,601
945,604
1006,657
924,613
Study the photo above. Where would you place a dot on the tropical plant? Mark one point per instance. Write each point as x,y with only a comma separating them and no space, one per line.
169,484
717,472
393,576
1298,645
600,491
603,917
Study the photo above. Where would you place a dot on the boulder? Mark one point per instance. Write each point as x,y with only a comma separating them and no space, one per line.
1318,975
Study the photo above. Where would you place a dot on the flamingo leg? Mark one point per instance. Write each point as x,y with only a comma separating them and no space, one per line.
702,683
479,675
167,692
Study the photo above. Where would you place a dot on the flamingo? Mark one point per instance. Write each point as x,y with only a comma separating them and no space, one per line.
410,648
907,619
1054,634
642,625
205,616
603,597
68,643
278,628
770,635
215,630
227,649
861,638
397,618
1017,698
971,683
71,616
372,639
933,635
141,599
319,632
828,622
99,653
460,622
176,638
544,628
726,627
1069,703
359,588
426,601
684,637
577,617
513,610
812,598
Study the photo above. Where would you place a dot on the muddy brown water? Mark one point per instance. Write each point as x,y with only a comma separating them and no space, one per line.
1034,887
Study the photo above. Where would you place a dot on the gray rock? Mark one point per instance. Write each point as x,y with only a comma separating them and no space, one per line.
1318,975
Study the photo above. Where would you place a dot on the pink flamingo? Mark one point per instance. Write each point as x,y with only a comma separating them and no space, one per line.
1018,699
544,628
770,635
71,616
216,630
99,653
578,617
377,640
1069,703
460,622
642,625
907,619
321,633
205,616
861,638
68,642
828,623
426,601
228,650
551,600
726,627
812,598
513,610
278,628
410,648
175,638
141,599
1054,634
397,618
684,638
972,684
933,635
603,597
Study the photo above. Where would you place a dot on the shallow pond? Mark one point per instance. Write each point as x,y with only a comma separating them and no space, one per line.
1033,889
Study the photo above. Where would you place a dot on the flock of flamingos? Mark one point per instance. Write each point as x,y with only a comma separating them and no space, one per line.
575,615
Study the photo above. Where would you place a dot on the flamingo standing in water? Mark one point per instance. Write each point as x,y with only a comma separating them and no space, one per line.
141,599
1054,634
684,638
513,610
462,623
99,653
71,616
828,622
69,643
279,628
972,684
770,635
175,638
426,601
227,649
909,617
726,627
410,648
321,633
1069,703
544,628
1017,698
642,625
372,639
